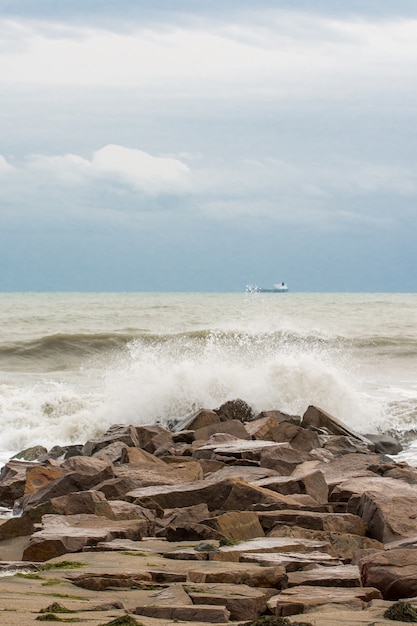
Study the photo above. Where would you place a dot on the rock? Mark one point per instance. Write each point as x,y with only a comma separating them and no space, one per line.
118,432
30,454
265,545
151,437
311,483
331,522
334,576
90,471
101,582
217,615
235,410
242,601
197,420
230,494
39,476
386,505
319,419
13,481
136,457
385,444
237,525
299,438
237,449
303,598
232,427
73,481
290,561
393,572
282,458
61,534
113,452
252,575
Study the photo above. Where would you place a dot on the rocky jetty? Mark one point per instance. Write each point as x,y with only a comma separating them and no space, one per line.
226,516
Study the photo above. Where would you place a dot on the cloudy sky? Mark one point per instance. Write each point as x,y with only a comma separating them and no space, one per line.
199,146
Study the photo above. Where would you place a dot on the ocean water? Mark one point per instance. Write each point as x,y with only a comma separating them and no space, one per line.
73,364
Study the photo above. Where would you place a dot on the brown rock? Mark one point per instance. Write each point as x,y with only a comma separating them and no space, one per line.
90,471
242,601
393,572
291,561
334,576
194,613
253,576
331,522
113,451
237,525
311,483
386,505
301,599
283,459
12,481
39,476
71,533
118,432
101,582
153,436
235,410
299,438
197,420
232,427
230,494
317,418
136,457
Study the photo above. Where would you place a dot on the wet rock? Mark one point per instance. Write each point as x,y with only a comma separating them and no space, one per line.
385,444
235,410
30,454
197,420
118,432
13,481
231,427
319,419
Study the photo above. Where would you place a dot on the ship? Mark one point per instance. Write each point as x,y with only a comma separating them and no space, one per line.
278,288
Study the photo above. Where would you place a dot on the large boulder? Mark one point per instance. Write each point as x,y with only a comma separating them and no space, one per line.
13,481
118,432
318,419
310,483
393,572
60,534
386,505
235,410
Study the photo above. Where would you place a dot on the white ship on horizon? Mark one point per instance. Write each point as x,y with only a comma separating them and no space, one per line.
277,288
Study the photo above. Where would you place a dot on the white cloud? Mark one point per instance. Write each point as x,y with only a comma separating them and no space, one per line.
287,54
116,164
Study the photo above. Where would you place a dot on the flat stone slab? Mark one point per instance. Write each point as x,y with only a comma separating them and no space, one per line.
266,545
242,601
334,576
303,598
291,561
194,613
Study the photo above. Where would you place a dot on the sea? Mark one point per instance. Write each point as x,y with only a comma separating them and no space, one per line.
73,364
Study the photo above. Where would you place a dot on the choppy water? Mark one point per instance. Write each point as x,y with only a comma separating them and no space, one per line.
73,364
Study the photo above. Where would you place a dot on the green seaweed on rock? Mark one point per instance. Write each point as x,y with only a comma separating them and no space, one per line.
401,612
272,620
125,620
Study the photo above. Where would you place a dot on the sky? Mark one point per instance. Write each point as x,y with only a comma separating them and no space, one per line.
204,146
